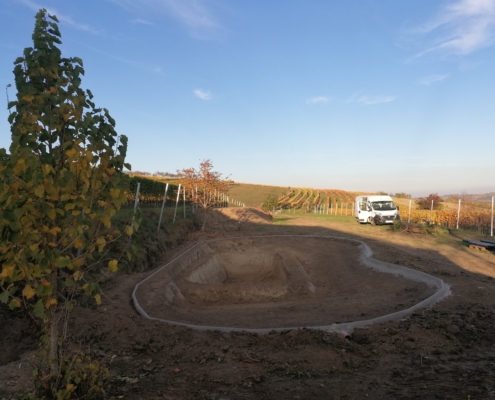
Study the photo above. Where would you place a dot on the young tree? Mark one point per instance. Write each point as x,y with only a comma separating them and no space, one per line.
424,203
61,183
270,202
204,187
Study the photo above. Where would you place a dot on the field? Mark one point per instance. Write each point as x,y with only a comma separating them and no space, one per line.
443,351
254,195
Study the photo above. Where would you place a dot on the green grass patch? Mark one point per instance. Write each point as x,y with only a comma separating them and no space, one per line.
254,195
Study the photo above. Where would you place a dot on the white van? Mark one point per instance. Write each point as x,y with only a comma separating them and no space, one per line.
376,210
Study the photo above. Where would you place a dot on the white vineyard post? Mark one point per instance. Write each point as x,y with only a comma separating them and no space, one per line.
163,206
458,214
431,213
136,201
491,224
409,212
184,202
177,201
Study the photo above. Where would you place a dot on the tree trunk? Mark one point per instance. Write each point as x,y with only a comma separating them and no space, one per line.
204,220
53,338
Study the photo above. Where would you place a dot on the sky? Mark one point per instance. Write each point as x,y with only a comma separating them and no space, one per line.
368,95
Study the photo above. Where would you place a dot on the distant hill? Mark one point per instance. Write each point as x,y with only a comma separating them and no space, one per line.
475,198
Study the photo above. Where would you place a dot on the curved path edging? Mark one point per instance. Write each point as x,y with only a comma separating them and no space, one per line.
346,328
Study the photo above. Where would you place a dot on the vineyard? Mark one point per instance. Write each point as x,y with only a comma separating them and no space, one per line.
151,191
470,216
310,200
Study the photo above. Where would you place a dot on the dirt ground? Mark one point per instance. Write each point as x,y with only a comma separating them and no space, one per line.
443,352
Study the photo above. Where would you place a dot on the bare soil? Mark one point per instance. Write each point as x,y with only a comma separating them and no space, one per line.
443,352
277,281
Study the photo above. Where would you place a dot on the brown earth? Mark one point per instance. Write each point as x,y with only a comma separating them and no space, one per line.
442,352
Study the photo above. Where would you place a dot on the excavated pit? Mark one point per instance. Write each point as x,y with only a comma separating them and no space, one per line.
277,283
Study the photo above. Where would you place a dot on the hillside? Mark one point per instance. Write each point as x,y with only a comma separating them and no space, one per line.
254,195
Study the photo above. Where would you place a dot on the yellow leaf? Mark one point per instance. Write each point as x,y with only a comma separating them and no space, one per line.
15,303
39,191
34,246
28,97
112,265
20,166
44,282
50,302
110,171
46,169
78,262
78,243
55,230
98,299
77,275
66,116
69,206
70,387
52,214
7,271
28,291
115,193
106,221
52,244
71,153
128,230
75,213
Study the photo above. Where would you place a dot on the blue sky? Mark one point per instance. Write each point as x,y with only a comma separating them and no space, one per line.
361,95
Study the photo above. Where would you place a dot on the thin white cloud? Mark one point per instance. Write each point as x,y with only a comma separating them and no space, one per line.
142,21
369,100
201,94
461,28
194,15
431,79
136,64
63,18
318,100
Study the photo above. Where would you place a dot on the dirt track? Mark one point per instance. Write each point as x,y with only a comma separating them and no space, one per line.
444,352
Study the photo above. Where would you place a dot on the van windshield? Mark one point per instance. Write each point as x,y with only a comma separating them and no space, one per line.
383,205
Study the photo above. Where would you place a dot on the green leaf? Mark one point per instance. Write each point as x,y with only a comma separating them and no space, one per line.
62,262
4,297
69,282
15,225
38,309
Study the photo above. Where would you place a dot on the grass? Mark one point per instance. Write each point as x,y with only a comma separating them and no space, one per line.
254,195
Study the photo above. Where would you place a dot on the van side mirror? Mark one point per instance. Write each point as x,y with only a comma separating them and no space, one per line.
397,208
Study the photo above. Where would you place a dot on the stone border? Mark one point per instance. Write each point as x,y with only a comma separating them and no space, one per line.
441,292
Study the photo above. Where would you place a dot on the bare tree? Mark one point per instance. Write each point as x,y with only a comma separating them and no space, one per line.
205,188
424,203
